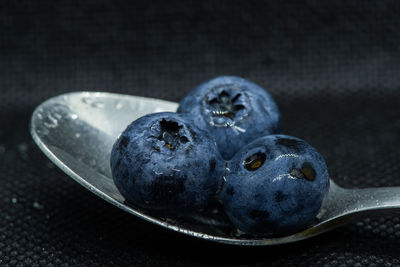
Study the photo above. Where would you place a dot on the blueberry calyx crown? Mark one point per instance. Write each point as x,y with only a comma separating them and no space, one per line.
170,134
255,161
224,106
307,172
226,103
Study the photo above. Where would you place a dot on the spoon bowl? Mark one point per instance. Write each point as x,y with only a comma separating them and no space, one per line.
77,130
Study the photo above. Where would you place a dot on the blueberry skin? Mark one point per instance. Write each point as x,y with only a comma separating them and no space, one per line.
274,186
164,164
234,110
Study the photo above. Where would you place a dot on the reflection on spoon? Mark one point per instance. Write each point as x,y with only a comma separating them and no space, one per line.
77,130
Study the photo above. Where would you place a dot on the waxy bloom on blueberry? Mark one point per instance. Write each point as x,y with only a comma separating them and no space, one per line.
234,110
163,163
274,186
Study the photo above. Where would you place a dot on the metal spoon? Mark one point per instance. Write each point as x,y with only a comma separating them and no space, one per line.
77,130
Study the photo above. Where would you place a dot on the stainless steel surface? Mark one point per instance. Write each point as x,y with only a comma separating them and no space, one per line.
77,130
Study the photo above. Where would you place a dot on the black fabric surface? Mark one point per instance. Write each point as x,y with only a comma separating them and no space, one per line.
333,68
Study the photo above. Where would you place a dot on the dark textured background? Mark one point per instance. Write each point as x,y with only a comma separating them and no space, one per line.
334,70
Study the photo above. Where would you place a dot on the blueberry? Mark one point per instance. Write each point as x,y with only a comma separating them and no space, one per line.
164,164
274,186
234,110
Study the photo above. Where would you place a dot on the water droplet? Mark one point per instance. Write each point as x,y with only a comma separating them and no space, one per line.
119,105
40,116
52,119
57,116
74,116
14,200
51,123
93,102
77,135
98,104
43,130
86,100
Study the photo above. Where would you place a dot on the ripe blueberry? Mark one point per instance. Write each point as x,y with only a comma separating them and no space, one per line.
164,164
274,186
234,110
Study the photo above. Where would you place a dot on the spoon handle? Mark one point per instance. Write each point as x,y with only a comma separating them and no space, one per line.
350,201
376,198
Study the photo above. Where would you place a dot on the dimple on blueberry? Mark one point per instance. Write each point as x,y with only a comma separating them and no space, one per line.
233,110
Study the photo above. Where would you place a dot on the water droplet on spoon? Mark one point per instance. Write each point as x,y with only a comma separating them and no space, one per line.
93,102
119,105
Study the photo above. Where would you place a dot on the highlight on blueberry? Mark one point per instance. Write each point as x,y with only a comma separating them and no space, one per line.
164,164
274,186
234,110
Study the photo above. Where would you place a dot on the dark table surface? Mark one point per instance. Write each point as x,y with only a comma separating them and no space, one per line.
334,70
